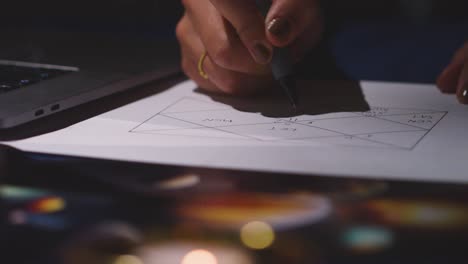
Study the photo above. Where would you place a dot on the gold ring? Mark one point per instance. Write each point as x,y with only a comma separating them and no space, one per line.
201,71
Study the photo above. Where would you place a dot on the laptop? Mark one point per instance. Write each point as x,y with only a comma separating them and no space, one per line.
48,68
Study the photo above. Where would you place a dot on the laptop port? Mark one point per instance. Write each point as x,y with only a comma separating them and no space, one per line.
55,107
39,112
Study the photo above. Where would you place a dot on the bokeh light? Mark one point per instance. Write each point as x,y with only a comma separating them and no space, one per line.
257,235
127,259
428,214
199,256
193,252
47,205
12,192
231,210
179,182
18,217
367,239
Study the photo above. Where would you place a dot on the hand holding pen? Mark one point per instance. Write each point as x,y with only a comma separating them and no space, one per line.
228,46
454,78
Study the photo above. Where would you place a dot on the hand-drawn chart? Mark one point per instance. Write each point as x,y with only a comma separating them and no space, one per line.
400,128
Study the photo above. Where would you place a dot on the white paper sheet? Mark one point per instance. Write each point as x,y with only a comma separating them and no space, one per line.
411,132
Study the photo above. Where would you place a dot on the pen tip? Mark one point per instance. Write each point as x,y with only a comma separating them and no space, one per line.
289,86
294,108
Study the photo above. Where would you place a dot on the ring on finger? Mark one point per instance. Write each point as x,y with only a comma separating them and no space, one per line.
201,70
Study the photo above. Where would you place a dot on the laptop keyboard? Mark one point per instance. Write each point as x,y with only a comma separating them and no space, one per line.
14,77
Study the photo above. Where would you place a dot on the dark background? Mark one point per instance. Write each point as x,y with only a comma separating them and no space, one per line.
130,12
98,15
391,40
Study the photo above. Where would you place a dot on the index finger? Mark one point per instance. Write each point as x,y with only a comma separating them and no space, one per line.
249,23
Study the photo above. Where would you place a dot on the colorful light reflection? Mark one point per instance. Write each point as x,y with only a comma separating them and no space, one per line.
47,205
18,193
367,239
425,214
257,235
179,182
127,259
199,256
193,252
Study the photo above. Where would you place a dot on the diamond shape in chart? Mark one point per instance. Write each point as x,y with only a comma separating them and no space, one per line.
196,132
160,122
399,139
422,120
344,141
325,116
194,105
222,118
279,131
386,111
361,125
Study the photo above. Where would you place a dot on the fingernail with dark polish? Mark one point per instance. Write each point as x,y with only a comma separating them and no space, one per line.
464,95
261,53
280,28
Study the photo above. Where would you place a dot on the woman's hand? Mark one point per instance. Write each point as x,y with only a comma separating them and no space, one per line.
454,79
239,42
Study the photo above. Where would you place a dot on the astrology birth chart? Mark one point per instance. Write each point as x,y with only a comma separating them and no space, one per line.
401,128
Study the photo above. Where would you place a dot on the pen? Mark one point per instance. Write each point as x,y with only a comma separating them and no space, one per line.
281,63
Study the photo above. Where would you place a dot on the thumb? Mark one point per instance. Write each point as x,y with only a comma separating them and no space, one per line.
288,19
